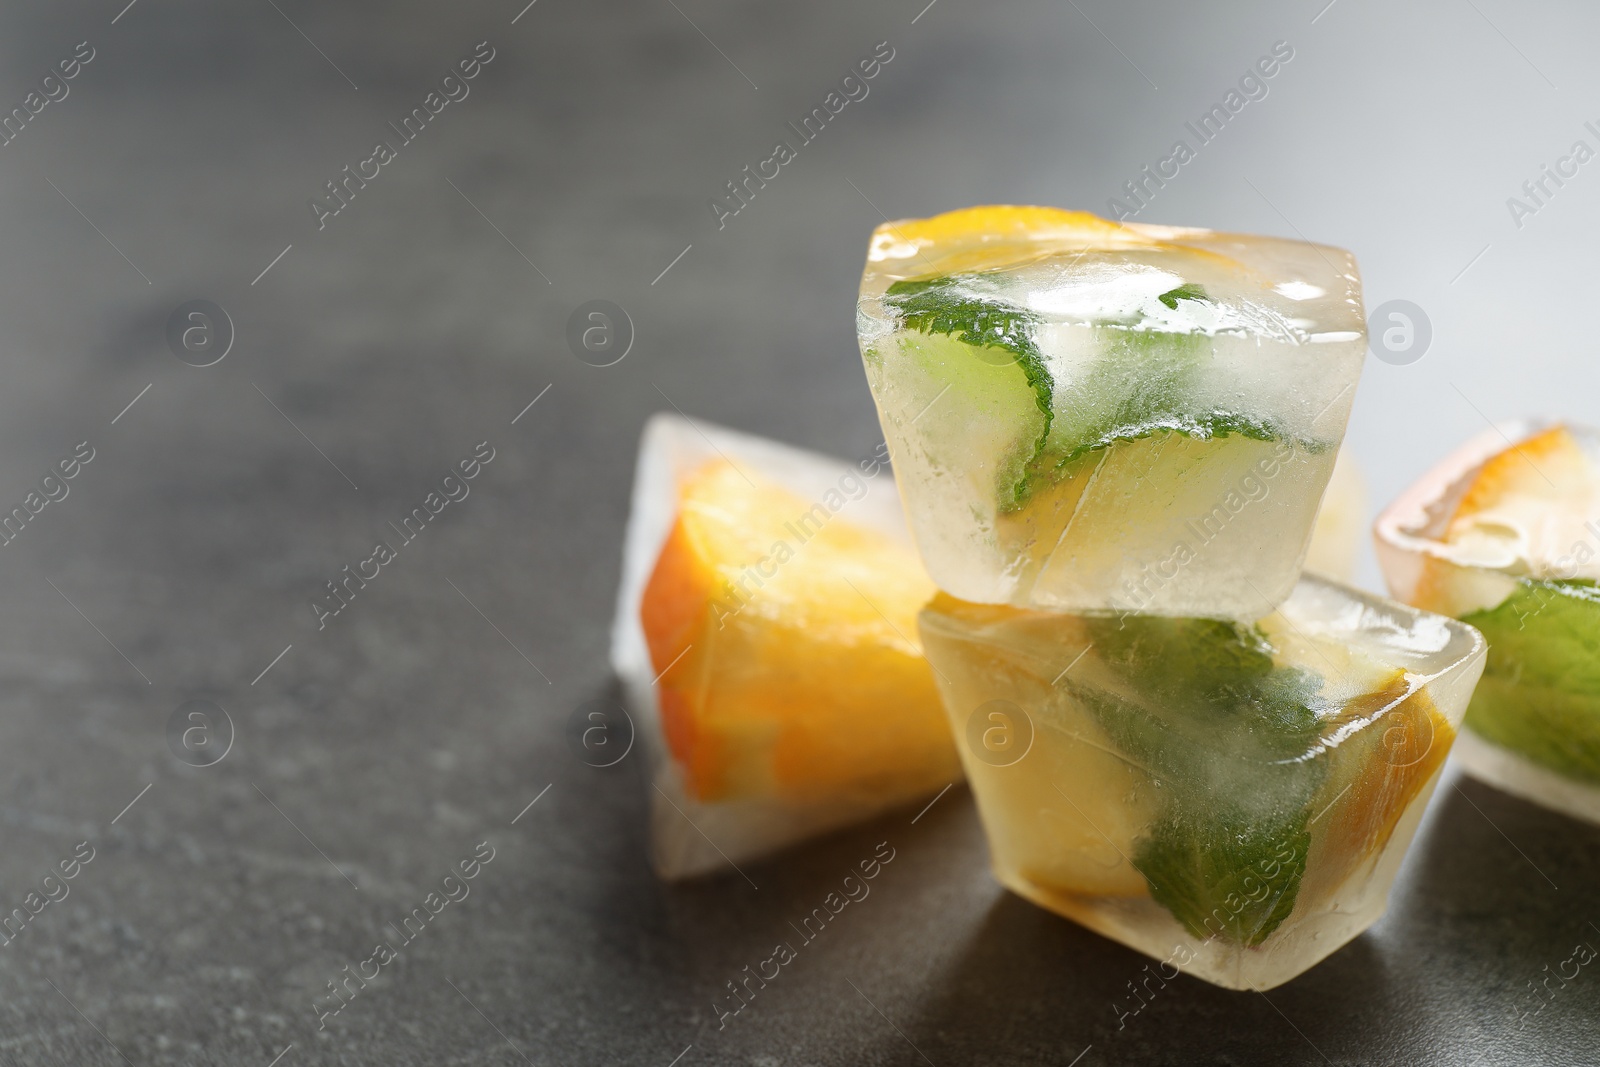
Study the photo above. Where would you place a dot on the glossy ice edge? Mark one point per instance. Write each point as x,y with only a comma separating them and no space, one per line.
1466,643
1406,533
688,837
1521,777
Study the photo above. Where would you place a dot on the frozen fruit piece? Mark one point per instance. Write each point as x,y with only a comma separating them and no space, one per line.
767,635
1245,791
1091,416
1508,539
796,673
1523,490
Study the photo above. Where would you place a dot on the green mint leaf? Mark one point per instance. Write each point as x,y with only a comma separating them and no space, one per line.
1186,291
1225,732
1235,879
937,306
1540,691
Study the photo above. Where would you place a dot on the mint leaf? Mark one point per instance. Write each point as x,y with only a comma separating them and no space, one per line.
1232,879
937,306
1540,691
1186,291
1144,385
1225,733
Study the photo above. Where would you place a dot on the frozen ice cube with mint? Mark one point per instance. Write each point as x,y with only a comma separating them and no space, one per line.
1233,797
1090,416
1504,533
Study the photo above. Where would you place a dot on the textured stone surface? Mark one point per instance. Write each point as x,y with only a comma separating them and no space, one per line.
409,730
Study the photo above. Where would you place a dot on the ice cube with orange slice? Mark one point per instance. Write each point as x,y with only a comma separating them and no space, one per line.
1242,791
766,637
1505,534
1091,416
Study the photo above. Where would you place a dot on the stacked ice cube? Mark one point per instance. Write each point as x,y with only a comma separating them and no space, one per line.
1087,417
1111,442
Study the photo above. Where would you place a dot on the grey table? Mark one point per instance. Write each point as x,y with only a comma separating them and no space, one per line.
374,348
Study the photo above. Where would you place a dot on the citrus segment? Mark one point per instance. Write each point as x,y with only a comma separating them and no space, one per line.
786,640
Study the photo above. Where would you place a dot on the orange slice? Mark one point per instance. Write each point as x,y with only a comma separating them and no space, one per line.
787,638
1545,470
1002,235
1525,513
1401,747
1003,222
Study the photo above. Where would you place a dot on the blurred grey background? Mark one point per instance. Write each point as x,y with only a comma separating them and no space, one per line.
372,354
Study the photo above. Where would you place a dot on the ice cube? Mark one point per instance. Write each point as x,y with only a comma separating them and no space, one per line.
1087,416
1232,798
766,640
1508,539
